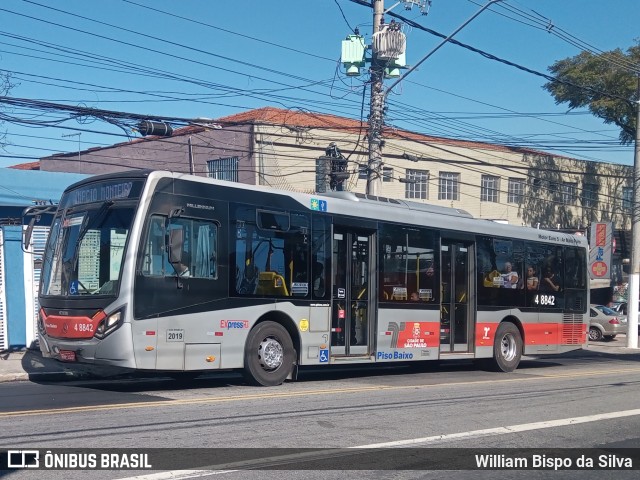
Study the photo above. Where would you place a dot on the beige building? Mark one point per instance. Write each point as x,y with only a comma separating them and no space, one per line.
276,147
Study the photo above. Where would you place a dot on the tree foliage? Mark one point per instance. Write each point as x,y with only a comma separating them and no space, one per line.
606,83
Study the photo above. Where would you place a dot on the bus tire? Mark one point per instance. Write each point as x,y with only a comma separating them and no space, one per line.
507,348
269,355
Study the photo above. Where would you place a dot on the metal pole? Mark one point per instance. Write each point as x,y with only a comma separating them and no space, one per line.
190,157
634,278
376,108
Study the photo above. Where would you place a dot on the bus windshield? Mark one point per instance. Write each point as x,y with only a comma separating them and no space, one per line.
85,250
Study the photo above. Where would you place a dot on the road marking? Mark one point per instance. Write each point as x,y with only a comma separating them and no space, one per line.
178,474
435,439
523,427
305,393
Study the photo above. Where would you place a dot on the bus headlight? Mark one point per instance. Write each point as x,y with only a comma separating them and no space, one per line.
109,324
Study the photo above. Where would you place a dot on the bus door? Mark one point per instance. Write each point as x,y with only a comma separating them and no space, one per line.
351,299
456,310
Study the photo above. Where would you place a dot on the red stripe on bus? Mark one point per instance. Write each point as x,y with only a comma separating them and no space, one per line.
537,334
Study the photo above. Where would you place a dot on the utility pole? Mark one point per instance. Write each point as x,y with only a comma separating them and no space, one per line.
634,278
376,108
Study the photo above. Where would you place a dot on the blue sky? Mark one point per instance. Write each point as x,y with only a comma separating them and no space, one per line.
228,57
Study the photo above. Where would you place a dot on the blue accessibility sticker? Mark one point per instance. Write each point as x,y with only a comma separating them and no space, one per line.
318,205
324,356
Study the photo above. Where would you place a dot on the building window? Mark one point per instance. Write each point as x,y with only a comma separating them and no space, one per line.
223,169
589,195
569,195
363,172
417,184
489,188
627,198
449,186
515,192
553,192
387,174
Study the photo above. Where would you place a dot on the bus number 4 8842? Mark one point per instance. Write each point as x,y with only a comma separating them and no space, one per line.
545,300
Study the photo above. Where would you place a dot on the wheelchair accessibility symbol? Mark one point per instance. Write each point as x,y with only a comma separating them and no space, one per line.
324,356
73,288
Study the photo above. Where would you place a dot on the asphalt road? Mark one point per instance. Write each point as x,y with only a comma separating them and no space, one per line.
581,401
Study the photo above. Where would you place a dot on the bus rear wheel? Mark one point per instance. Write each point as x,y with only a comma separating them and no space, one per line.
269,355
507,348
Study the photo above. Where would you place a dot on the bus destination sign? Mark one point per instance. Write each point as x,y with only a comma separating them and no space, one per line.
103,191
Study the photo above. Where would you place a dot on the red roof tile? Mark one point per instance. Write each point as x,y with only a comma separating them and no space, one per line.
305,119
27,166
297,118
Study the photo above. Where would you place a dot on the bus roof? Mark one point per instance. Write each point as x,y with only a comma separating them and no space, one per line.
375,208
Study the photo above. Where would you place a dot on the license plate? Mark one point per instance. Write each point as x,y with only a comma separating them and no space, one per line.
67,355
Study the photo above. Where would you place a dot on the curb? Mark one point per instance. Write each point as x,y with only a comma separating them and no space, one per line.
13,377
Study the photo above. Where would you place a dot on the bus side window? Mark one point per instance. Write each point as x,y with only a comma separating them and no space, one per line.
320,256
153,261
271,253
199,247
206,242
318,279
409,265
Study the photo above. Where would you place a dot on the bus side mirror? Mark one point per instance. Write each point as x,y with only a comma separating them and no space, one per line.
26,239
35,215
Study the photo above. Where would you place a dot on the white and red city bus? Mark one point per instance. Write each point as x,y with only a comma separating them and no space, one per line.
177,273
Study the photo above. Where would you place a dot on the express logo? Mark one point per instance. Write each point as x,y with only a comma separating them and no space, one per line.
234,324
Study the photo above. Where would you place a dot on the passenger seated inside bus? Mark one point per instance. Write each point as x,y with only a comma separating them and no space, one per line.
532,279
509,277
550,281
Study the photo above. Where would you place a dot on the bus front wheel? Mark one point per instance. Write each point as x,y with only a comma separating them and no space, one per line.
269,355
507,348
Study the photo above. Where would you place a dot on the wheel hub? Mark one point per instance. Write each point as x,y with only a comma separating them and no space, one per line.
508,347
271,353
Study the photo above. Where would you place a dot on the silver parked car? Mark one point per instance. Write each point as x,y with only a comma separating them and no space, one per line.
605,323
621,309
